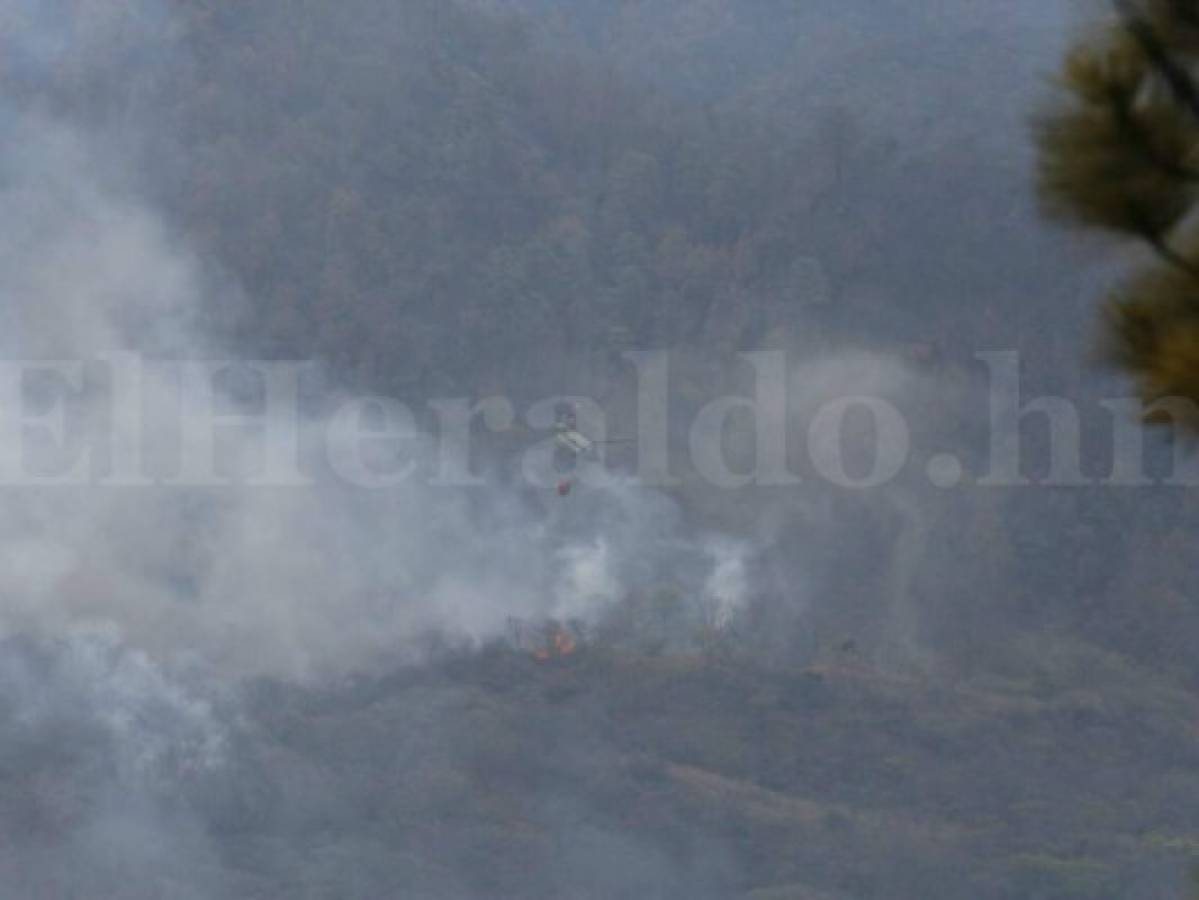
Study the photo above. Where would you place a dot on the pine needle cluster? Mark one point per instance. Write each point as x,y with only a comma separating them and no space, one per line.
1119,151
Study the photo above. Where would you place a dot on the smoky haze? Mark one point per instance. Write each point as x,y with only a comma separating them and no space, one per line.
578,685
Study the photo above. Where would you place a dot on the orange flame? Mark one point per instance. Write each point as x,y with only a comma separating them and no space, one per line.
564,643
558,643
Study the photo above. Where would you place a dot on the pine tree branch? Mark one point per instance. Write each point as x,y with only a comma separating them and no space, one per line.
1177,78
1185,93
1170,255
1127,122
1187,11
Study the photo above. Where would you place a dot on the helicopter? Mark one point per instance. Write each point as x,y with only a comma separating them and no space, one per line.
570,444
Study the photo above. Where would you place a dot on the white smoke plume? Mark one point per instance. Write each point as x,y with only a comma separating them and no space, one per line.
727,587
294,582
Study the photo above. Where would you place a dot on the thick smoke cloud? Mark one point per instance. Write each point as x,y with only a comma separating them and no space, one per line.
128,614
286,581
100,752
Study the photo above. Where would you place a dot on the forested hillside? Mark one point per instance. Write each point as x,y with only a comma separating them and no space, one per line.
978,692
475,190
